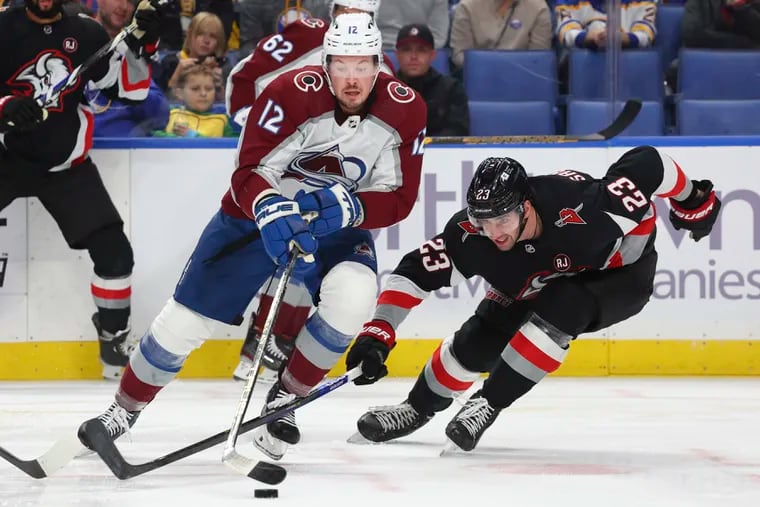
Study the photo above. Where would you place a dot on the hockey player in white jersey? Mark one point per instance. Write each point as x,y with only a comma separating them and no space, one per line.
341,140
299,44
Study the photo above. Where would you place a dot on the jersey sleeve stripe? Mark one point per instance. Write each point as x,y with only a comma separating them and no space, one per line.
396,298
674,181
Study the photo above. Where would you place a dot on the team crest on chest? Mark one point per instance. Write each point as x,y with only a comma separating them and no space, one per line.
38,76
570,216
326,168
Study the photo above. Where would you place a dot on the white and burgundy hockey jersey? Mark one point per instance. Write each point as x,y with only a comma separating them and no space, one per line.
298,45
297,138
43,55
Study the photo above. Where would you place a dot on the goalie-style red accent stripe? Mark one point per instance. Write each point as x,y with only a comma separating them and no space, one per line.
100,292
532,353
397,298
443,377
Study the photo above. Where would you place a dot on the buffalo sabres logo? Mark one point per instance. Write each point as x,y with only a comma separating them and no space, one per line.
40,76
469,229
570,216
326,168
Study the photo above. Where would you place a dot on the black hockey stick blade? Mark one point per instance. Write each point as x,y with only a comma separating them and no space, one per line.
30,467
63,451
623,121
268,473
102,444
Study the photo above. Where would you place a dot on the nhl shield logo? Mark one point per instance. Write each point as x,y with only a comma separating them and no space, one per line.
570,216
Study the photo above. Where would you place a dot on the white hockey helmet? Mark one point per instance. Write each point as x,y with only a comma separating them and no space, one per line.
368,6
352,34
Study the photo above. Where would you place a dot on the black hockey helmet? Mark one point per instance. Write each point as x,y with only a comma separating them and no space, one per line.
500,185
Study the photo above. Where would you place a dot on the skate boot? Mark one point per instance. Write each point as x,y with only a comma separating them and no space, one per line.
381,424
273,439
114,422
276,352
115,350
466,428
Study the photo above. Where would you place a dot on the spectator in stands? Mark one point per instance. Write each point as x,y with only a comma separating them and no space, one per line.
121,118
500,24
721,24
259,18
205,44
114,15
394,14
447,112
583,24
195,117
116,118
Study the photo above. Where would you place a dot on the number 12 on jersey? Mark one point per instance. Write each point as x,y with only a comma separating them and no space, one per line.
271,118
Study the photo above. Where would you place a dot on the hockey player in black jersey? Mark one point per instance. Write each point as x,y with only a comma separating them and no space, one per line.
564,255
44,146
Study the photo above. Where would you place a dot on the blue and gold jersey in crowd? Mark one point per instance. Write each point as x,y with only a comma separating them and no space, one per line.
576,17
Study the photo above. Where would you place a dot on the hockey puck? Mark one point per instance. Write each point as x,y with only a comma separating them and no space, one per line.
265,493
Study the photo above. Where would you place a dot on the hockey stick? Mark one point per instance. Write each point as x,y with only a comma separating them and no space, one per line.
230,456
71,80
51,461
265,472
623,121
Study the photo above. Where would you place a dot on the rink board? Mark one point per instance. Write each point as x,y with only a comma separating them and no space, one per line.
702,318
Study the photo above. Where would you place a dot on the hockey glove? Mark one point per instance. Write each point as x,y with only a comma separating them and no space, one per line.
280,223
698,212
371,349
20,113
335,206
147,17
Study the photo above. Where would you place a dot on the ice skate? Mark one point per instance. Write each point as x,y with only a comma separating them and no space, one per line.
115,349
381,424
274,438
116,421
466,428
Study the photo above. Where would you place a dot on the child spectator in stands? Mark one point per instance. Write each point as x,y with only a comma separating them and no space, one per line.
721,24
583,24
195,118
447,111
500,24
205,44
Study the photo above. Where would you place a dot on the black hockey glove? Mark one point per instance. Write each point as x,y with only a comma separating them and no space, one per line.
698,212
371,349
147,17
20,113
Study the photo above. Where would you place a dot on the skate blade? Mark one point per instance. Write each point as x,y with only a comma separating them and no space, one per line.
449,449
358,439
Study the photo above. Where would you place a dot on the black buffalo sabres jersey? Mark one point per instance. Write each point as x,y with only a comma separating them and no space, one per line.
38,56
587,224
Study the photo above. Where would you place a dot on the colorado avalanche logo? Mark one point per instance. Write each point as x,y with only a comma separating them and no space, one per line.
326,168
400,93
39,76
